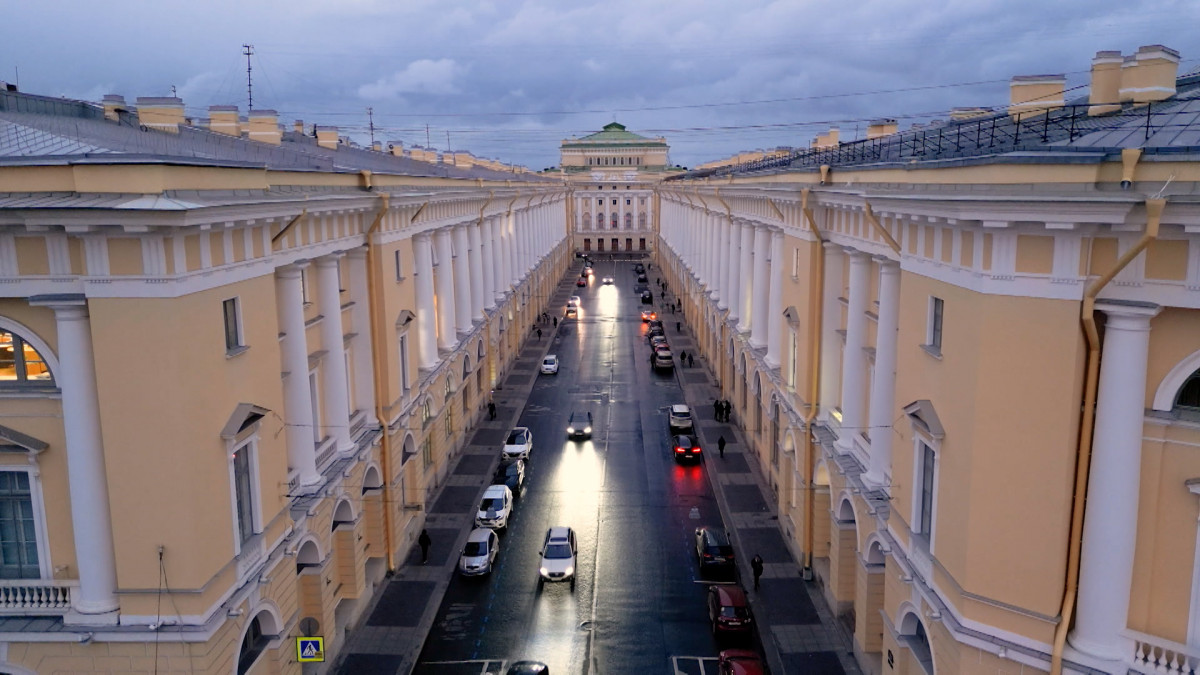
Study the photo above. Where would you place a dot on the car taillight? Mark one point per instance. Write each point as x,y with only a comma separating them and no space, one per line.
708,555
678,449
695,451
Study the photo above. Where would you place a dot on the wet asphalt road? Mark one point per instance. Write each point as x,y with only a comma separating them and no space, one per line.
639,602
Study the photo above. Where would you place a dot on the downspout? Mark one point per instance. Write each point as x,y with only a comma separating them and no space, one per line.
887,236
816,320
375,308
1083,456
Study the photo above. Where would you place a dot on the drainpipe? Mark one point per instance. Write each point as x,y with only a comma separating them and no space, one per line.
1083,456
375,310
816,320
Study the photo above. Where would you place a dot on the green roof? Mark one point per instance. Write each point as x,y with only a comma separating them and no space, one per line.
614,132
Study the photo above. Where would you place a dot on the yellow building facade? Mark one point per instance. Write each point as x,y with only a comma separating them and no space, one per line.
233,365
968,363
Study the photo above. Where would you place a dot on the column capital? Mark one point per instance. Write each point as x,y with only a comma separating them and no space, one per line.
328,260
1129,314
358,253
292,270
886,264
857,256
65,305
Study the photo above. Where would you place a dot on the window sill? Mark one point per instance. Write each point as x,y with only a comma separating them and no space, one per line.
236,351
932,351
28,391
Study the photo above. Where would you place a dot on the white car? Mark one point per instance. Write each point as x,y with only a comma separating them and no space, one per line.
479,554
494,508
519,443
573,301
558,556
606,280
550,365
680,420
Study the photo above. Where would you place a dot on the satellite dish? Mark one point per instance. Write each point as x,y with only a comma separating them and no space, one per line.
309,626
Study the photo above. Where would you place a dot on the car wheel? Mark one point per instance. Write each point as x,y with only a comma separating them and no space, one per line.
572,583
541,582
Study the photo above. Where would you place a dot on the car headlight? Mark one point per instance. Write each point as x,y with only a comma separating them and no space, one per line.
544,571
588,430
570,570
570,430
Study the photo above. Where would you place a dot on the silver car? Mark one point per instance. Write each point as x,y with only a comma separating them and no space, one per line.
479,554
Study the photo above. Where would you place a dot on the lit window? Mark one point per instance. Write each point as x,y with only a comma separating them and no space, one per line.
426,412
18,533
20,364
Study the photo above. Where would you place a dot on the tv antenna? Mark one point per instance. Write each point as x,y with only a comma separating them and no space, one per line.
371,125
247,51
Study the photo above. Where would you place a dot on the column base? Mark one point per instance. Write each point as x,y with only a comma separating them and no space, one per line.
874,481
106,618
1109,656
757,344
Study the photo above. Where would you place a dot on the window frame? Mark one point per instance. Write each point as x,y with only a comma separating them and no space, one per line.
247,441
935,326
22,382
925,448
314,396
37,507
239,332
399,266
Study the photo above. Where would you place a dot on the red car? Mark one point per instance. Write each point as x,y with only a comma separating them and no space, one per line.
728,611
740,662
582,281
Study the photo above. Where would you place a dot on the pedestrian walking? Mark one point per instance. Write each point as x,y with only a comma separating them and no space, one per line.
682,358
728,409
756,564
678,326
539,335
717,410
424,541
491,410
721,445
691,361
556,323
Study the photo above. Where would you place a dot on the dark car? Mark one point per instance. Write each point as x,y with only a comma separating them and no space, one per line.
511,472
647,297
579,425
639,268
581,282
740,662
685,448
528,668
714,551
728,611
642,278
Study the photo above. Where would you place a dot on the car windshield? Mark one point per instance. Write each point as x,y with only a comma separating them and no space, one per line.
733,612
548,362
516,438
558,551
511,470
720,550
475,549
490,503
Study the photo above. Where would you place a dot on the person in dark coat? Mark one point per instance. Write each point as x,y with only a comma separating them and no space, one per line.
721,446
756,564
717,410
682,358
691,361
491,410
424,541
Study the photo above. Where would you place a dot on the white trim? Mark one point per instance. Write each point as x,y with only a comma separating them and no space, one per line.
1193,632
250,444
1168,389
36,497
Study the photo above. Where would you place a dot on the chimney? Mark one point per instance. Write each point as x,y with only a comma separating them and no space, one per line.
1036,93
1149,75
162,113
298,127
1105,92
223,119
880,128
264,127
114,104
396,148
327,136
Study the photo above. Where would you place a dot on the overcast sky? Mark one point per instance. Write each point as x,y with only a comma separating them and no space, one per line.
510,79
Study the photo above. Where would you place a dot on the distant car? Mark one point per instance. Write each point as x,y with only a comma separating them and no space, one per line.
740,662
550,364
581,281
579,425
519,443
728,611
494,508
528,668
714,552
574,301
680,419
642,279
663,359
639,268
589,271
558,556
685,448
572,312
606,281
510,473
588,262
479,554
657,341
649,315
647,297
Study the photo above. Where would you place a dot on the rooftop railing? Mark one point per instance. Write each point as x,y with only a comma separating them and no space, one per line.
35,596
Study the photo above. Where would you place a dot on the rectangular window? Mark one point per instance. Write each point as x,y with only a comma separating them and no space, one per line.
18,531
791,375
934,337
233,325
628,202
399,269
795,263
427,453
926,502
404,381
314,395
449,423
243,486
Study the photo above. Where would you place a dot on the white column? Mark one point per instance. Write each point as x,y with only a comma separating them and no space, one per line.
714,261
297,402
510,251
1110,521
91,522
745,278
775,299
831,308
853,362
444,279
335,386
726,260
426,316
883,385
462,280
761,292
475,270
487,254
361,355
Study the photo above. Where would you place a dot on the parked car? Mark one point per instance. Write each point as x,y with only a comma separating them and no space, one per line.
574,301
550,364
657,341
495,508
740,662
572,312
649,315
558,556
728,611
588,271
528,668
642,278
653,331
511,472
639,268
684,448
581,281
680,419
714,551
519,443
664,359
579,424
479,553
647,297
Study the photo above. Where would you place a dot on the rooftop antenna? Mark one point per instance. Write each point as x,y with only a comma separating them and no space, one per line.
371,124
247,50
447,140
173,94
427,143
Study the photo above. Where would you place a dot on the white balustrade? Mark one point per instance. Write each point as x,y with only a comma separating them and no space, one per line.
1154,656
36,596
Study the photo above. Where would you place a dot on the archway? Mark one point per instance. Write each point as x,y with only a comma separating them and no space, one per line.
915,643
256,638
868,600
843,561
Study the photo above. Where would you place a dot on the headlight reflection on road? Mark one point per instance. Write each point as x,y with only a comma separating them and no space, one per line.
578,479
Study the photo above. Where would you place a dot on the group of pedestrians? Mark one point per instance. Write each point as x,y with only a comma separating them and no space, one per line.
721,410
686,359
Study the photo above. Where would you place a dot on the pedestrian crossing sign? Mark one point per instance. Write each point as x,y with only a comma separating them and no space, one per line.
310,649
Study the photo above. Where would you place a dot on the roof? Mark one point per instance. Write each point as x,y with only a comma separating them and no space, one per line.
614,133
1169,128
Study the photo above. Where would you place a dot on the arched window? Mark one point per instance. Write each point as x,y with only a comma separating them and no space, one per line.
21,365
1187,401
628,221
253,645
641,221
614,221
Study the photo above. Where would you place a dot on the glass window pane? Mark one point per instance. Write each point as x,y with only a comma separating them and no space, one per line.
8,357
242,483
35,365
